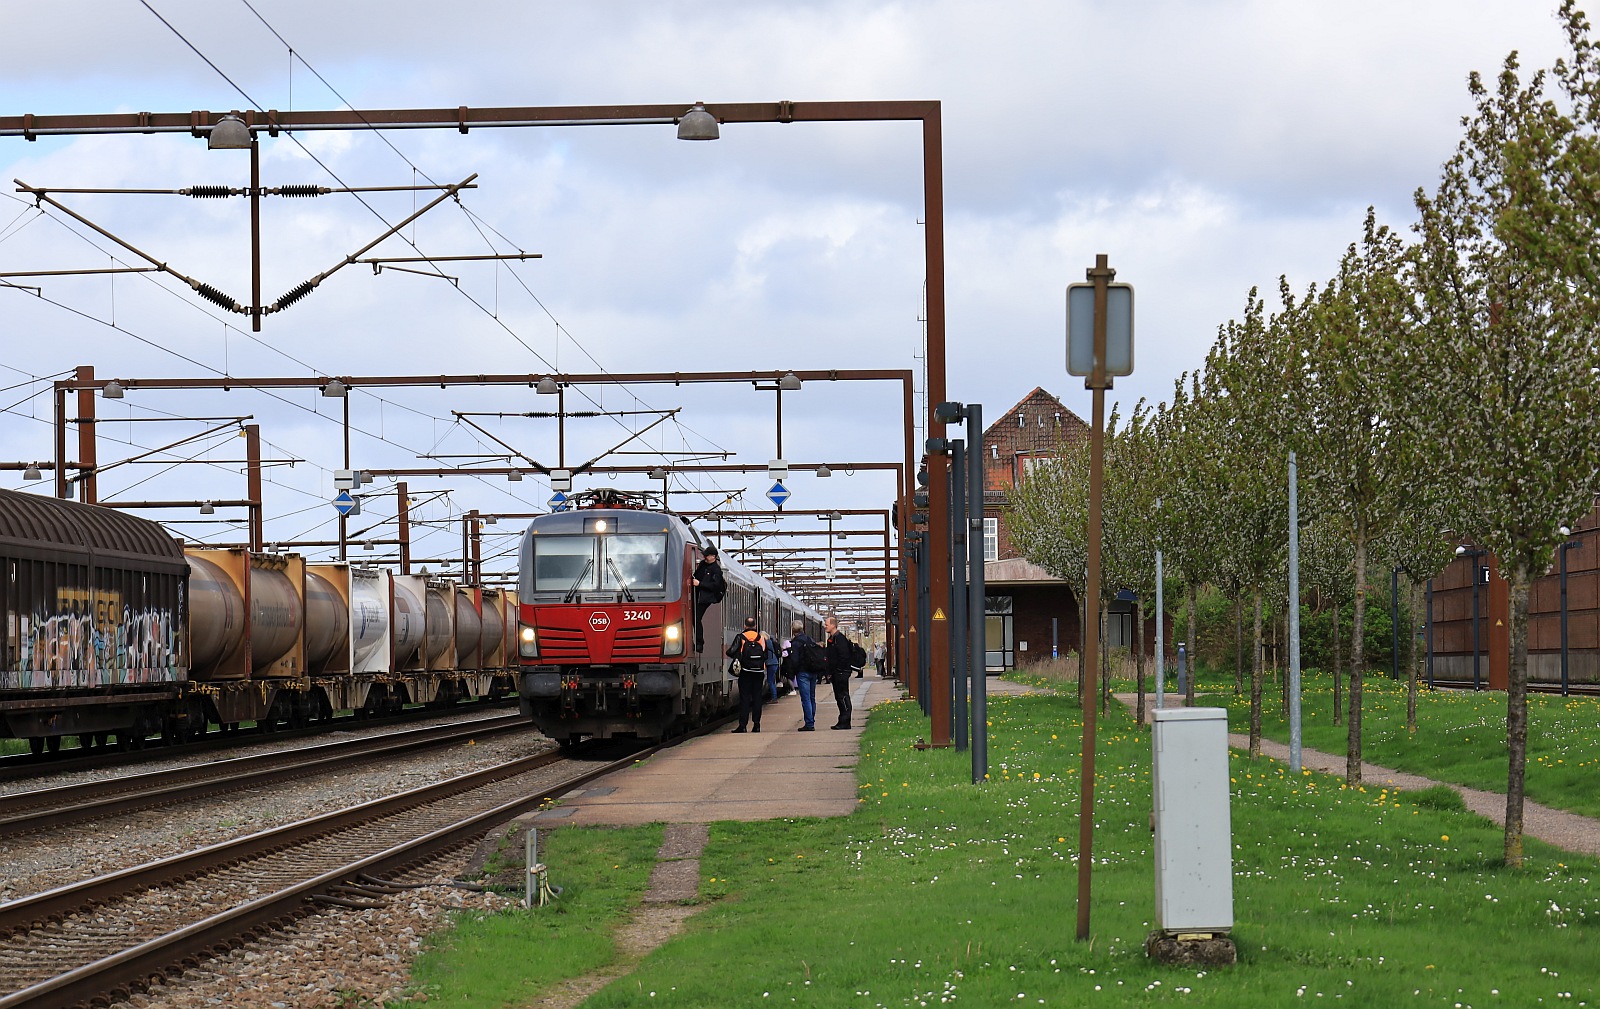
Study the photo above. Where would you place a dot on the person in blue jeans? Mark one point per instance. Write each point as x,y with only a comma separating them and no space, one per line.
773,660
804,681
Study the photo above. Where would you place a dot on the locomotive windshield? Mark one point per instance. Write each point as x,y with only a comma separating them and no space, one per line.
585,563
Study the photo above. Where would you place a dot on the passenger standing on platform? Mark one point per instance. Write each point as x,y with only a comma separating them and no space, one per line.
773,661
838,648
805,679
749,650
879,652
709,587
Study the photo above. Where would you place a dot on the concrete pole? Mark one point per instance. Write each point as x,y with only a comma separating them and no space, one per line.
1161,630
1294,618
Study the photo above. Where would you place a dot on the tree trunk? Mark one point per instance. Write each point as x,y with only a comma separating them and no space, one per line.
1138,659
1083,629
1517,716
1281,627
1194,657
1338,635
1358,663
1255,682
1238,646
1413,656
1105,653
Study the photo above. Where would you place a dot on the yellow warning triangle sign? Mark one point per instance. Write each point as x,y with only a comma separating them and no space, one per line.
938,614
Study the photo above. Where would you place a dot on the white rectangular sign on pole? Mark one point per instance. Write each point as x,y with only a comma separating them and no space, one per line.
1119,329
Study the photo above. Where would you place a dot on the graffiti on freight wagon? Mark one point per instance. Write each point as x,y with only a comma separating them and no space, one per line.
90,639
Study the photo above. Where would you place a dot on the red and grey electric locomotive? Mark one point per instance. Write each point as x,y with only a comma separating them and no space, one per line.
605,631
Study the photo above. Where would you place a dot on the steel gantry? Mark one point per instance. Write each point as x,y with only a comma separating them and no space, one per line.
935,553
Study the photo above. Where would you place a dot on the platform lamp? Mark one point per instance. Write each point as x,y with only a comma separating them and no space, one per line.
113,390
1561,552
230,134
32,472
698,124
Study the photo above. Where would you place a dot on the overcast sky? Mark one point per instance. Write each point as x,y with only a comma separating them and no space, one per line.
1206,147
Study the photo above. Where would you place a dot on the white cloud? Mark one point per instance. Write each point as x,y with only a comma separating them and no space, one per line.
1206,147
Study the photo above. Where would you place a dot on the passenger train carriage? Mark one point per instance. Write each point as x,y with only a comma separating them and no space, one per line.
605,631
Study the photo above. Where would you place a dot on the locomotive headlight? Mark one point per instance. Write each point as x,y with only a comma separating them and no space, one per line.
672,639
527,642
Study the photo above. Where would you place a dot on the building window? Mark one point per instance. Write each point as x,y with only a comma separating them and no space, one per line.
991,539
1025,463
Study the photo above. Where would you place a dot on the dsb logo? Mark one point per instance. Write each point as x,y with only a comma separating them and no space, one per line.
599,621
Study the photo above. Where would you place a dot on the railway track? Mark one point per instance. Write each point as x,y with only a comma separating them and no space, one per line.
106,937
48,808
18,766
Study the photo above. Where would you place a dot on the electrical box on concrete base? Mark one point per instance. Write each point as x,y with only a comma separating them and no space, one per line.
1193,831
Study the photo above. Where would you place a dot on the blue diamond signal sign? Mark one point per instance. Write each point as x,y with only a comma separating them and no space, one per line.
778,493
558,502
344,502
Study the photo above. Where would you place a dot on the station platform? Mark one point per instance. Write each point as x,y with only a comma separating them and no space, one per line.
778,772
764,775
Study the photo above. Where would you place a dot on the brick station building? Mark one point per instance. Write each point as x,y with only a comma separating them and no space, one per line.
1030,612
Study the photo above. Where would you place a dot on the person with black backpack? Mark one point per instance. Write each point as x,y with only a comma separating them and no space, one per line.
804,661
839,648
749,654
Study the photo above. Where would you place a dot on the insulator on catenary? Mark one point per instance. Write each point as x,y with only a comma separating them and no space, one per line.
301,190
215,296
294,295
207,192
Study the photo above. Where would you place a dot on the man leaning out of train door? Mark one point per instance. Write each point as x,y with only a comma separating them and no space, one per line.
709,587
749,652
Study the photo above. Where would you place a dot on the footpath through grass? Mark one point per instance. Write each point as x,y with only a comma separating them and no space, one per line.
939,892
1460,737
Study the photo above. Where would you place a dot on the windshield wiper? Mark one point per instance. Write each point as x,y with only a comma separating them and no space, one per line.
572,593
627,596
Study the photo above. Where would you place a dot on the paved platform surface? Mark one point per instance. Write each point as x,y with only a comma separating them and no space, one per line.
775,773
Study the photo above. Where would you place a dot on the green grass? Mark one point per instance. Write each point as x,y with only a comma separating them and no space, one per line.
935,889
1460,737
489,961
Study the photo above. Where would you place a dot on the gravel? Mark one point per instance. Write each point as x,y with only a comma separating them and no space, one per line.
342,957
